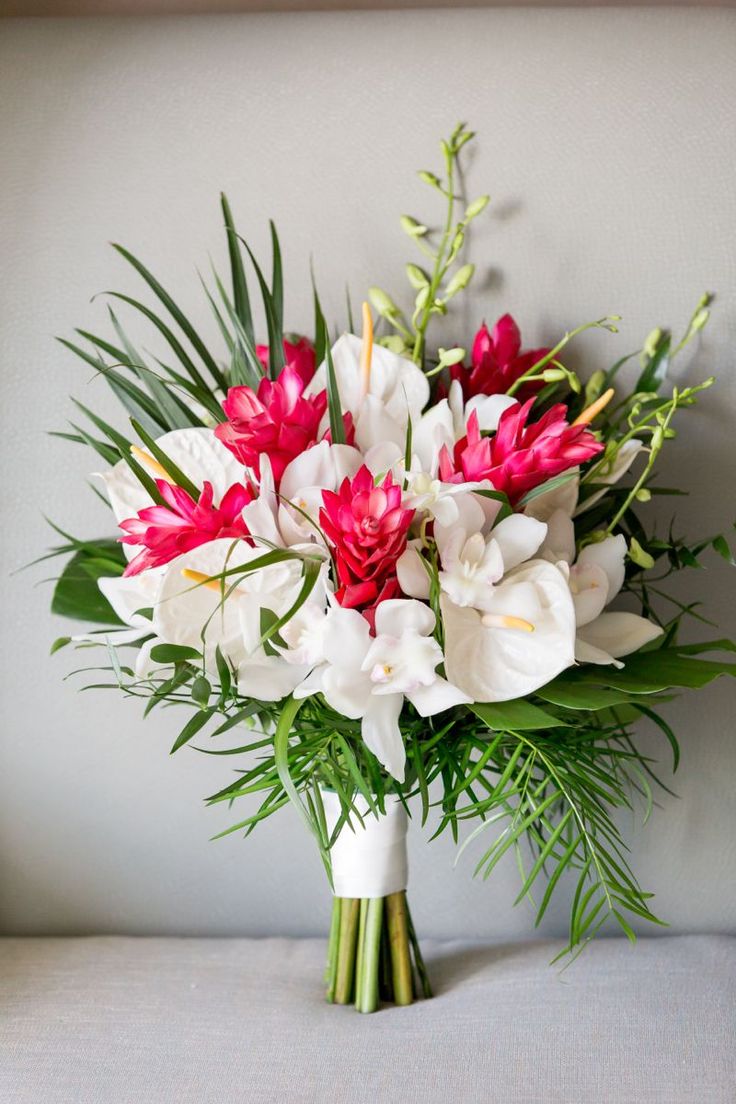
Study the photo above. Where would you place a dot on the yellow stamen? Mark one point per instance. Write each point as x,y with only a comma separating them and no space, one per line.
506,621
594,409
200,577
144,458
366,351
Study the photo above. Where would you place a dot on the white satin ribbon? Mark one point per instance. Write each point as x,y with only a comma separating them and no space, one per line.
368,860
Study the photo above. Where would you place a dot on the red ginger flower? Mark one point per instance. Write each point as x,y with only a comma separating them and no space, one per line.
278,420
367,527
183,524
519,457
299,355
497,362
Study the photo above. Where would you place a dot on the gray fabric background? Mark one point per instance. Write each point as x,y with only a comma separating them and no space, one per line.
161,1020
606,140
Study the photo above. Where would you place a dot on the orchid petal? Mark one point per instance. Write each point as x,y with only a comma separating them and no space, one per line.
400,615
619,633
382,735
518,537
412,575
609,555
438,696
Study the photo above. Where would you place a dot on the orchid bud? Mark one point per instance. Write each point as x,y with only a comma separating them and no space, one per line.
639,556
422,297
382,301
395,343
418,278
594,386
448,357
650,345
430,178
700,320
411,227
474,209
460,280
657,439
554,375
643,495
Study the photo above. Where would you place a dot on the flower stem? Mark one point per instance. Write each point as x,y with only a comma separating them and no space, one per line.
398,931
348,936
367,999
360,952
331,970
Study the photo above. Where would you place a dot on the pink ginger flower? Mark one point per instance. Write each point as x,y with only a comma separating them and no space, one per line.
367,527
519,457
299,355
183,524
497,361
278,420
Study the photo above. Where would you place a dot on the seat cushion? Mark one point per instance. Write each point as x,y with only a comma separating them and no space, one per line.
144,1020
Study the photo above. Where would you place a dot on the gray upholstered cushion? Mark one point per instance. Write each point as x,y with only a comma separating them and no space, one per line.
173,1021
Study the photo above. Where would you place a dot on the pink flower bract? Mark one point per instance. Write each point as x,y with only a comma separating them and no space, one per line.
182,524
298,354
519,457
278,420
367,527
497,362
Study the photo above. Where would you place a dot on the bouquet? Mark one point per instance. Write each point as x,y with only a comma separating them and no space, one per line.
392,577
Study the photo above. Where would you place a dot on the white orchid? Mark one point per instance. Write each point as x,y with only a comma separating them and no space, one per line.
595,578
322,467
368,677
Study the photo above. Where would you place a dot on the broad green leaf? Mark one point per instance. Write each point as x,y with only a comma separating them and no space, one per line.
76,593
515,716
174,653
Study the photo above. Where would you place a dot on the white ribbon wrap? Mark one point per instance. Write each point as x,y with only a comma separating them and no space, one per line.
368,861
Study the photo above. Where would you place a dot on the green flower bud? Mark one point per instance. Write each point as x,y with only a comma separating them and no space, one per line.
554,375
448,357
411,227
650,345
657,439
382,301
418,278
700,320
460,280
429,178
422,296
594,386
395,343
643,495
474,209
639,556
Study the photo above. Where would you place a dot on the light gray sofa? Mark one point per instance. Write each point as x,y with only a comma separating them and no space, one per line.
110,1020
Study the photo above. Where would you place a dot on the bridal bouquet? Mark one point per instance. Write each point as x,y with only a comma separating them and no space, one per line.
391,578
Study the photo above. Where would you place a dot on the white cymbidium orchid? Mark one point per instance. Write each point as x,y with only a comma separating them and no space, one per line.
368,677
524,638
193,610
595,578
196,451
397,391
471,564
446,422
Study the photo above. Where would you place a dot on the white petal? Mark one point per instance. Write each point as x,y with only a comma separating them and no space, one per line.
382,735
323,465
586,653
564,497
374,425
440,695
433,430
619,634
131,593
269,678
559,544
385,457
347,638
608,554
399,384
498,664
489,409
519,538
413,578
589,586
608,474
312,684
396,616
347,691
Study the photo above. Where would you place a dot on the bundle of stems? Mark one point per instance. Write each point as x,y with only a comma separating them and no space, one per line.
373,953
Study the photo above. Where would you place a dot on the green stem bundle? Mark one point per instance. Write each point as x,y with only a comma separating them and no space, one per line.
373,954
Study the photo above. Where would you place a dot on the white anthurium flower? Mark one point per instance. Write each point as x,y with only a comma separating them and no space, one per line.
595,578
524,638
608,472
398,390
322,467
199,455
434,431
368,677
128,595
261,515
189,608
